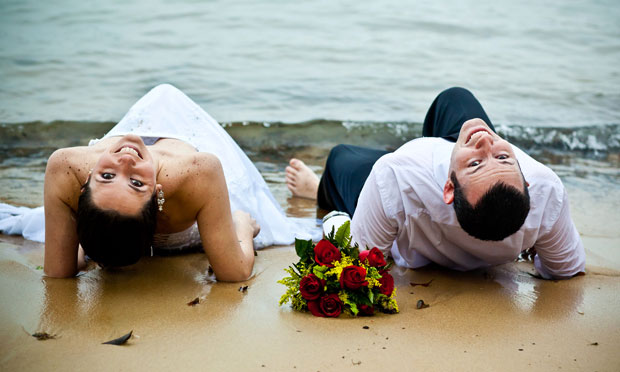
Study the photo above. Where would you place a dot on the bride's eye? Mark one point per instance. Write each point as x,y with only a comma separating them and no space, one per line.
107,176
474,163
136,183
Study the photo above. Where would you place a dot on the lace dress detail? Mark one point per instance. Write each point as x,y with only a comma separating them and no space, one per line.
184,241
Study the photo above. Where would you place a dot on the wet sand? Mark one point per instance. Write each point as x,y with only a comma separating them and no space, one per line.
500,318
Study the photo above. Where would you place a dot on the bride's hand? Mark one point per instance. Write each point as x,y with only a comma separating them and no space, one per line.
243,219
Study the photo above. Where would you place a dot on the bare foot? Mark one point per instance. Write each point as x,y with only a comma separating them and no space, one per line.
301,180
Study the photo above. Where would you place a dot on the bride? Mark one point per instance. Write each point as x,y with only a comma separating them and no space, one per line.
166,178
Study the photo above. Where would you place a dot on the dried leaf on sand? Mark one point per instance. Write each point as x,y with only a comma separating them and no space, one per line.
42,336
119,341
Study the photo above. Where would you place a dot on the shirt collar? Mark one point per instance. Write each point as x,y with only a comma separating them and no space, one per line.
441,162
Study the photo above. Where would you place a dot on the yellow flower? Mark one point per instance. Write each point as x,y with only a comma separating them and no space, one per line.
372,282
340,265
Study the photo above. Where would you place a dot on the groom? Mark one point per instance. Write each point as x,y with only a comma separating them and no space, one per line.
461,196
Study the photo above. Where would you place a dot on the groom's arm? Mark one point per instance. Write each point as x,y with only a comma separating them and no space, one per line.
372,224
560,252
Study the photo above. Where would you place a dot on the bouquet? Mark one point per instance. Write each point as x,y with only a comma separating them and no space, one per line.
333,277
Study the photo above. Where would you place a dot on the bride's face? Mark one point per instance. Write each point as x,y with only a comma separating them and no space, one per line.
124,178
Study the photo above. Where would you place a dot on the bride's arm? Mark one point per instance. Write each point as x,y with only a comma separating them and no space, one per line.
227,241
61,241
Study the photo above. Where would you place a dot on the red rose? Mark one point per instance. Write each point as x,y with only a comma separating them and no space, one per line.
366,310
325,253
353,277
374,256
331,305
315,308
327,306
363,255
387,283
311,287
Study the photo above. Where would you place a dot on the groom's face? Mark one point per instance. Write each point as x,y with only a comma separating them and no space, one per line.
480,159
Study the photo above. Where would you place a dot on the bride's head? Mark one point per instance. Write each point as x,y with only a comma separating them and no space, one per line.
117,207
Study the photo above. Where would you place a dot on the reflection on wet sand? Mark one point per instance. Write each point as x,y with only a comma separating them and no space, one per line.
21,293
539,297
493,319
481,318
109,301
511,290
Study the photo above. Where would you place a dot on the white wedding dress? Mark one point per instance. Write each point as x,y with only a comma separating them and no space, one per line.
167,112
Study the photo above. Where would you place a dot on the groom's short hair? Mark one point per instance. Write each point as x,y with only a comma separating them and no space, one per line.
500,212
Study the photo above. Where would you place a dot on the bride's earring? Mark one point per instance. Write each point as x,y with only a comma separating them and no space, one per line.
90,173
160,200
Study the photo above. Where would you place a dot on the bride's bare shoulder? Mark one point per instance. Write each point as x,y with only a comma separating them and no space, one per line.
67,168
191,170
207,161
69,159
195,163
190,179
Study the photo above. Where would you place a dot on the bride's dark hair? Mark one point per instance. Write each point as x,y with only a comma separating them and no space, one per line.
113,239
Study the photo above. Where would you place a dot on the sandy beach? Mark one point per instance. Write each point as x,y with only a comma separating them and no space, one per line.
294,79
501,318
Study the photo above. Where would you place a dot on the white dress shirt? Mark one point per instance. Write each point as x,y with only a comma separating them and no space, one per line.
401,211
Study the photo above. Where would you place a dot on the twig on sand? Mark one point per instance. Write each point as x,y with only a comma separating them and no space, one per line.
42,336
194,302
413,284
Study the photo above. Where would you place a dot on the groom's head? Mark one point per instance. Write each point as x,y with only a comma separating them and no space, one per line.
485,185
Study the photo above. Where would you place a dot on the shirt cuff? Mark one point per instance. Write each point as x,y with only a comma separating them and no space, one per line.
541,269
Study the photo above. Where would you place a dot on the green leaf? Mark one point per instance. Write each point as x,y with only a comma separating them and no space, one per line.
320,268
331,285
371,297
354,308
330,236
352,252
319,271
359,297
304,249
373,273
343,235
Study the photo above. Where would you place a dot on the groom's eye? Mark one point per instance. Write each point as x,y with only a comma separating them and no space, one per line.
107,176
474,163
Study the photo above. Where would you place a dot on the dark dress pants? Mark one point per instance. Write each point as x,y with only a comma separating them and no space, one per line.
348,166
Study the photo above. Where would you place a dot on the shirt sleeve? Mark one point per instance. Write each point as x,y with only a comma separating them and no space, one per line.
371,225
560,252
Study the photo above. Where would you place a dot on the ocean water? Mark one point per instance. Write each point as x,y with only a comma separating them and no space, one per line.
295,78
533,63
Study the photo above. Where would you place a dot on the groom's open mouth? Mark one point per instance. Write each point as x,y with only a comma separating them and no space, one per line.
477,130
